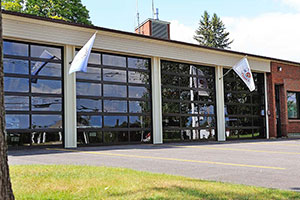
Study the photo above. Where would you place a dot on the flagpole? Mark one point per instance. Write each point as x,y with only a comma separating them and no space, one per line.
230,69
225,73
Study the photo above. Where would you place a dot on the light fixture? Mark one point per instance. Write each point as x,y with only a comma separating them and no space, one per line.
279,68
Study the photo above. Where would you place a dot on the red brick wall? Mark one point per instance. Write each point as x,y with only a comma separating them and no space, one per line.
145,29
289,80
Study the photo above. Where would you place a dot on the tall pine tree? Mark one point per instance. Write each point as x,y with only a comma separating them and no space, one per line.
211,32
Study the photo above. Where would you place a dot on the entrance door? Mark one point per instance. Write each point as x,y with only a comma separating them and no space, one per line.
278,119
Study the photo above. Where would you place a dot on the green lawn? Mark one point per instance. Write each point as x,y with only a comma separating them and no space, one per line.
87,182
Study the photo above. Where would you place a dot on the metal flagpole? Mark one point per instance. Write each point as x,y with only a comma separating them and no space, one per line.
225,73
230,69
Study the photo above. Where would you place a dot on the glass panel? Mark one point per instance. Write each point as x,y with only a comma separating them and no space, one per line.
16,103
140,122
46,86
139,107
171,107
88,89
111,60
171,121
115,137
89,137
45,52
45,69
115,106
258,121
138,92
170,93
140,136
198,121
89,105
114,91
95,58
92,73
115,121
245,133
46,104
14,48
17,121
19,139
16,84
114,75
89,121
138,63
167,79
46,138
172,135
171,67
138,77
46,121
232,134
15,66
292,105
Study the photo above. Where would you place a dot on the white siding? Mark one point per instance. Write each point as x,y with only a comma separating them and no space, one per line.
15,27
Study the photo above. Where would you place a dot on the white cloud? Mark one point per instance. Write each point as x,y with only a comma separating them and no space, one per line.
293,3
274,34
181,32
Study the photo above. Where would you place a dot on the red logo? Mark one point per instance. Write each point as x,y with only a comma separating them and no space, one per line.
248,75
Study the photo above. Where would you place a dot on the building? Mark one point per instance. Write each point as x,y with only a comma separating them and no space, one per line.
138,89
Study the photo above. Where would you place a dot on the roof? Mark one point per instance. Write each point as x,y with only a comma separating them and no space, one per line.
145,36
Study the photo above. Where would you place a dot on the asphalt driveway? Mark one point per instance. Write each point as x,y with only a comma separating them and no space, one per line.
266,163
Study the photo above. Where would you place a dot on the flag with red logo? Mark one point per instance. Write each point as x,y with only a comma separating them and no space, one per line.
242,69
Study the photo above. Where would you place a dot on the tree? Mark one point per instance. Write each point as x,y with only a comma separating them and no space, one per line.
69,10
5,184
211,32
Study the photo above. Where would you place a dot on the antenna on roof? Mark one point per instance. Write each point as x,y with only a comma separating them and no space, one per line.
138,16
153,12
156,14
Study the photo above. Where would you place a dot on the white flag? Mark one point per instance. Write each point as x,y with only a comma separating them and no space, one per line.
242,68
80,61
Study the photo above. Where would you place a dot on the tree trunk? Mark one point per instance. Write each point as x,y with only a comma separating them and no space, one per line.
6,192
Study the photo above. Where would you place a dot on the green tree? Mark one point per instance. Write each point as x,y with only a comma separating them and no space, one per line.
211,32
69,10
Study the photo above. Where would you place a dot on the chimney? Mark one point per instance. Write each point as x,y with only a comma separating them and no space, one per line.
155,28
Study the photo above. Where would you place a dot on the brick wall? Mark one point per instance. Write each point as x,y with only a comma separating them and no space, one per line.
288,80
145,29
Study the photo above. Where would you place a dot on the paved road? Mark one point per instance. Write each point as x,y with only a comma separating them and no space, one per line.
273,164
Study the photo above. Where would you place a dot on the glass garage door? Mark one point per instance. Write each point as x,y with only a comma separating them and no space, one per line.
114,100
188,102
33,93
244,110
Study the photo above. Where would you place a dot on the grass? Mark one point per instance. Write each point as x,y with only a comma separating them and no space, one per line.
88,182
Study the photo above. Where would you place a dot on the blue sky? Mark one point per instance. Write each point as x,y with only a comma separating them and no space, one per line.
120,14
266,20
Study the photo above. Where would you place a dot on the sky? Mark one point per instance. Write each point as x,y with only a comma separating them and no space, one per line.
262,27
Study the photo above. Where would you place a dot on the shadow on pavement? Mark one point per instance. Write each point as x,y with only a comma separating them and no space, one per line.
39,150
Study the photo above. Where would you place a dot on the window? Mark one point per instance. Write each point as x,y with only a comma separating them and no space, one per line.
33,93
114,100
188,101
293,105
244,110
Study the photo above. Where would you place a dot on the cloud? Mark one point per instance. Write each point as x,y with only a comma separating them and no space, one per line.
293,3
181,32
273,34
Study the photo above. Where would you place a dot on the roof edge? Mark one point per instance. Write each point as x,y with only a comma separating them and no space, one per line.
145,36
